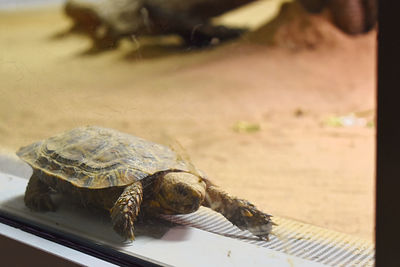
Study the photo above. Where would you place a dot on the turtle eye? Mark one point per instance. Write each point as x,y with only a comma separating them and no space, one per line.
181,190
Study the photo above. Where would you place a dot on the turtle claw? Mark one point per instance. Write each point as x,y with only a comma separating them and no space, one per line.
262,231
123,225
123,220
251,219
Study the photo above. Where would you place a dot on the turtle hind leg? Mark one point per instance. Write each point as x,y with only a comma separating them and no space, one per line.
126,210
239,212
37,195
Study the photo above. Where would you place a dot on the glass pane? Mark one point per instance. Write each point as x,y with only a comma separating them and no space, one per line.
271,101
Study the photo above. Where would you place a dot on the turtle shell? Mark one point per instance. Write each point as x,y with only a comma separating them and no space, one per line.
94,157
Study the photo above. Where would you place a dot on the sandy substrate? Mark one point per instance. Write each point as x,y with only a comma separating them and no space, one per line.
296,165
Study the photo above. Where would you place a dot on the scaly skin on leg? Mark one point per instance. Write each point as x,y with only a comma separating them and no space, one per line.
37,195
239,212
126,210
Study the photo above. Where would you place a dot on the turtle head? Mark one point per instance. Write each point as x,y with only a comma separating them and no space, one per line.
113,20
180,192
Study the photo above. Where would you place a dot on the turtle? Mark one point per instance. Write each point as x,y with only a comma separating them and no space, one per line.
130,178
108,21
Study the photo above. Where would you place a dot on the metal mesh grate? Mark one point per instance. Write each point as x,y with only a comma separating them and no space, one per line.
292,237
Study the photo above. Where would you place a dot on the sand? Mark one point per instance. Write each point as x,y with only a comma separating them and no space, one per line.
295,162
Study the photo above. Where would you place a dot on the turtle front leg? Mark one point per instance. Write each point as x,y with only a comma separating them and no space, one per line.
206,34
239,212
126,210
37,195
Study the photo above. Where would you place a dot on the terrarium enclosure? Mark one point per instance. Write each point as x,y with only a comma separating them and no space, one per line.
276,106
